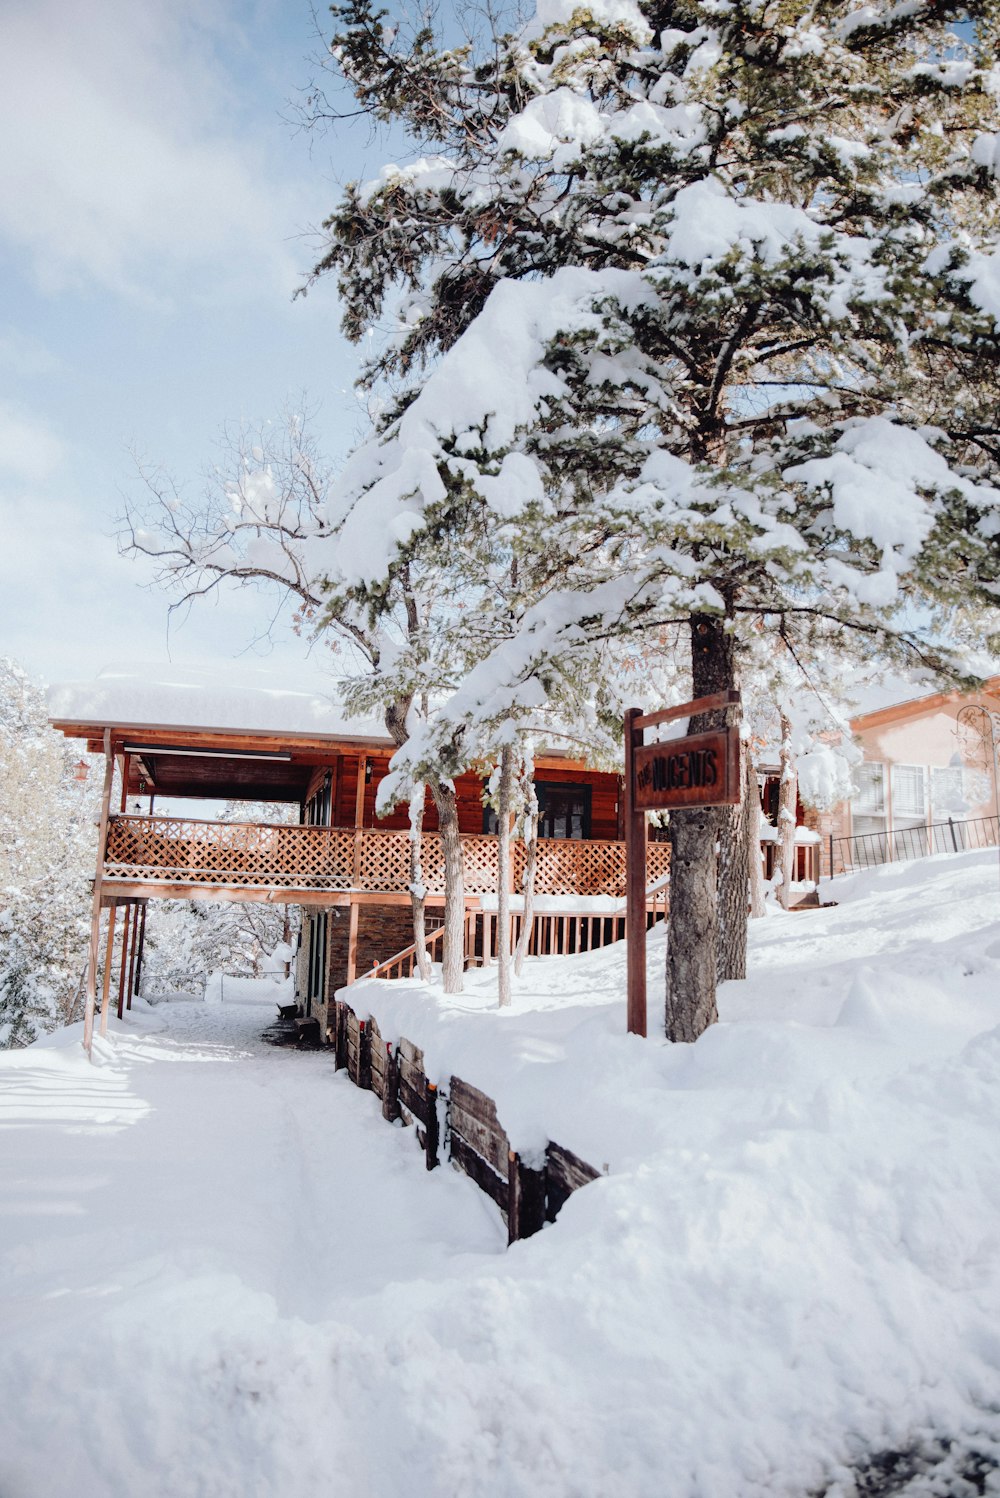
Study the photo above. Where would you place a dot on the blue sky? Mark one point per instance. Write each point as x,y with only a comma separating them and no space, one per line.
157,210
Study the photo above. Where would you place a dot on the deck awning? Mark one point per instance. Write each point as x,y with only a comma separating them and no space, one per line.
191,732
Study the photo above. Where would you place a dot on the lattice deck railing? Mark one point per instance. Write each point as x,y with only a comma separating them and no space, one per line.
253,855
247,854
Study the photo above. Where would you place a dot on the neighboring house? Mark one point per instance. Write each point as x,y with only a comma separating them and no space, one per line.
927,782
194,737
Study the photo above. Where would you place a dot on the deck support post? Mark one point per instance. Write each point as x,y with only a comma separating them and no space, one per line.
132,945
136,950
95,913
123,973
142,942
352,942
108,958
635,885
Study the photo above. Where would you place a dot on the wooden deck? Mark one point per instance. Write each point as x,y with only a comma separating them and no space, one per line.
189,859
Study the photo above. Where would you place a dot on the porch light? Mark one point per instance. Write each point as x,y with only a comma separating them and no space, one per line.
81,770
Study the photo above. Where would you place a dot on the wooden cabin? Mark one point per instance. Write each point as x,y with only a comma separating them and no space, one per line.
346,868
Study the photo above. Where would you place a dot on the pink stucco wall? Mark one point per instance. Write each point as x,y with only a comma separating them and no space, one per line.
930,738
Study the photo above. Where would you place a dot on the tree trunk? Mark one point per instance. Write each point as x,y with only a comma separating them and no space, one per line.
692,941
787,797
734,882
751,795
503,873
529,799
396,714
453,961
418,890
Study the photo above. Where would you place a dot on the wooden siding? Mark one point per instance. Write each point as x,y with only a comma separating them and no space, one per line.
604,821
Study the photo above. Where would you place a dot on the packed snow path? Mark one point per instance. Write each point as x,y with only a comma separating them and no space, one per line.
223,1276
196,1184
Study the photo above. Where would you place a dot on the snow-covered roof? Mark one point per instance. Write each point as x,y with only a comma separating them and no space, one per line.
900,691
246,699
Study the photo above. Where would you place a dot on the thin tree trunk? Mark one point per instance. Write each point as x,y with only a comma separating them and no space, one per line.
396,714
692,941
787,797
453,961
418,890
734,882
503,873
529,799
751,796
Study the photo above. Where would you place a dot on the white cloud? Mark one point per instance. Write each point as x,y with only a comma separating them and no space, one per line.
69,603
29,448
26,356
131,157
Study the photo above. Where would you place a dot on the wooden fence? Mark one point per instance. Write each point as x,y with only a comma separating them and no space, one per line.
460,1125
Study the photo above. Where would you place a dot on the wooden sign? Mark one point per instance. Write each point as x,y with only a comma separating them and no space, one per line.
701,770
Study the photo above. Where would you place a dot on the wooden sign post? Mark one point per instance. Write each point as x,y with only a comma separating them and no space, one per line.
702,769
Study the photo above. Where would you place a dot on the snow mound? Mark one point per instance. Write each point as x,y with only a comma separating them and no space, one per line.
787,1282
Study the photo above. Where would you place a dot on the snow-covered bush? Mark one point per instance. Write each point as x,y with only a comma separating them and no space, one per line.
48,845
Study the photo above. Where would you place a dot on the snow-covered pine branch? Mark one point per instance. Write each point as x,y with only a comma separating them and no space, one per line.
704,306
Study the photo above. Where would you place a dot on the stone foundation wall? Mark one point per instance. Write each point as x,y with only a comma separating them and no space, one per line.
383,930
836,824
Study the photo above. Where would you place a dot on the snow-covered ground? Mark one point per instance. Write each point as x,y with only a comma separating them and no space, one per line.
222,1274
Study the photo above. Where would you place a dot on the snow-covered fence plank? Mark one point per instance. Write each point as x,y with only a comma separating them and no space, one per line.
473,1118
376,1060
412,1098
340,1013
358,1051
417,1099
526,1198
564,1174
528,1194
390,1095
477,1144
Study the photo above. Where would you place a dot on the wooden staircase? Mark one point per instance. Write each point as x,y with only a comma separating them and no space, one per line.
554,933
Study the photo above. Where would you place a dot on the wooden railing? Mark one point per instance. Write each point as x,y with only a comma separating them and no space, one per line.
247,854
174,850
404,963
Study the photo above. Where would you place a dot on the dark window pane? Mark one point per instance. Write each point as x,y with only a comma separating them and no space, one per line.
563,811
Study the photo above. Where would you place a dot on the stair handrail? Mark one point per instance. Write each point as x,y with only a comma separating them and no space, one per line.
381,969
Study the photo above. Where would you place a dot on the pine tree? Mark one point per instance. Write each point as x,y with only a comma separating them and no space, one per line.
48,847
703,300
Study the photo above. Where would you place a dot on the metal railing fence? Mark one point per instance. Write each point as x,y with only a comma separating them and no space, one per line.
868,850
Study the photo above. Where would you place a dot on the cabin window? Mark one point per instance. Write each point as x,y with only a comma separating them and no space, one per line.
868,802
909,811
563,811
958,791
909,796
319,806
948,797
316,980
